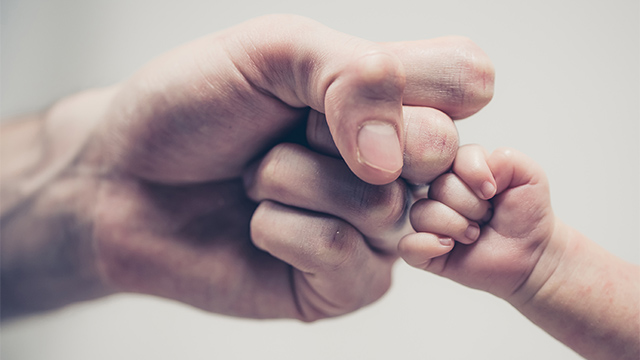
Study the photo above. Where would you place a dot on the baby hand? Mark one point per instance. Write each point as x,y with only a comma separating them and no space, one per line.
497,208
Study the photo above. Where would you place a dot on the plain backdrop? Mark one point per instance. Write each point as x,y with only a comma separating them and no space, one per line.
567,94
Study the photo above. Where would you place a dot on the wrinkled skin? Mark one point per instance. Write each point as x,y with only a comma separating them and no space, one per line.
171,214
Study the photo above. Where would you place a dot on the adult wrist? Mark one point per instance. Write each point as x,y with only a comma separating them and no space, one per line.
48,259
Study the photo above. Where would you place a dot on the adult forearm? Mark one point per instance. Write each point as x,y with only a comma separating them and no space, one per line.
47,254
591,303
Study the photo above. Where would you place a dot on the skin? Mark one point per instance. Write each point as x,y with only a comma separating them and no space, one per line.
145,186
559,279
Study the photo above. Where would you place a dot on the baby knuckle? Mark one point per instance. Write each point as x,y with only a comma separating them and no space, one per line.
422,214
442,186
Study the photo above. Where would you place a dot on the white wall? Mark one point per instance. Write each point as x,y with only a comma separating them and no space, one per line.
567,93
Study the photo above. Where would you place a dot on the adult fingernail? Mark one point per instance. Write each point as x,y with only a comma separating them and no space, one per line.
472,232
488,190
379,146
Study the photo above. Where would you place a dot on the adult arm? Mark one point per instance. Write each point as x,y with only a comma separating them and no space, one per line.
138,187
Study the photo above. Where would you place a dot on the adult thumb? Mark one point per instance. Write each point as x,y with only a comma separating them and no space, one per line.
357,84
364,112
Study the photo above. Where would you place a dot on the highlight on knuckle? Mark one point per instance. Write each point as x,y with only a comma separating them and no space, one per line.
472,82
381,75
431,146
272,173
259,226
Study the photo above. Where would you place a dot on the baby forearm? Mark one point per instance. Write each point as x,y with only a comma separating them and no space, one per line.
591,302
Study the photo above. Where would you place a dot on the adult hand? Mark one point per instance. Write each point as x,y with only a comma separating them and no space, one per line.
157,192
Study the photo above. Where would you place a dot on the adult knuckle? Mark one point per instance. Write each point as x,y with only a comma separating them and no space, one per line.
387,204
259,226
380,73
441,153
472,82
272,173
339,246
431,145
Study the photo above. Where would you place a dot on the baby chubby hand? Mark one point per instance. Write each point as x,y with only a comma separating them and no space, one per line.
486,224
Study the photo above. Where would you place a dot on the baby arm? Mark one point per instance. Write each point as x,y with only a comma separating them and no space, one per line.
559,279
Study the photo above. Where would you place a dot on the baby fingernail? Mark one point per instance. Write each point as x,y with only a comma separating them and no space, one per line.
445,241
379,146
472,232
488,190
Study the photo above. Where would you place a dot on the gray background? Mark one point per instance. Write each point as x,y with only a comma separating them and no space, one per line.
567,94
